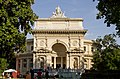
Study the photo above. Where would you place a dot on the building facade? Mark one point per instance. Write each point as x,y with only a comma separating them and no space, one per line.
58,42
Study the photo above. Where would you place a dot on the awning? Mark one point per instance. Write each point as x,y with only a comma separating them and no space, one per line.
10,70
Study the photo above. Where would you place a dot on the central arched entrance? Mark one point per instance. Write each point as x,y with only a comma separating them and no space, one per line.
60,50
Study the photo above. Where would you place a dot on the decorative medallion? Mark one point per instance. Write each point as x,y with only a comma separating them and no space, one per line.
74,43
41,43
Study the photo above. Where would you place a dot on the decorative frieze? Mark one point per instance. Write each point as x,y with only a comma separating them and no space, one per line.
59,31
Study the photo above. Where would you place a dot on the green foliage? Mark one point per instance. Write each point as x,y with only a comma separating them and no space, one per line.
107,53
3,64
16,19
110,11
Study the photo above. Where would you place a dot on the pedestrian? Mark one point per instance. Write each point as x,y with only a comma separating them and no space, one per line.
3,75
14,75
28,76
39,74
46,74
32,73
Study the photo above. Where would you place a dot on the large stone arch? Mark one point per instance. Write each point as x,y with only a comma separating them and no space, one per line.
58,41
60,49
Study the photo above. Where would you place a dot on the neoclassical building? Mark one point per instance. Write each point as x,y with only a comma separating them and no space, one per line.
58,42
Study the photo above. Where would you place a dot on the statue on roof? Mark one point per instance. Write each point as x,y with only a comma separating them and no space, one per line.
58,10
58,13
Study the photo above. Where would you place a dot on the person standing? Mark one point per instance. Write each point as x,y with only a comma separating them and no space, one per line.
3,75
28,76
46,74
32,73
39,74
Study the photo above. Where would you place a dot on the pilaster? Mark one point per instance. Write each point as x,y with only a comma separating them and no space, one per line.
28,64
34,61
21,64
17,63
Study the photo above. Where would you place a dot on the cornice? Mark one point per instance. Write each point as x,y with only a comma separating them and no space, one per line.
88,55
24,54
59,19
59,31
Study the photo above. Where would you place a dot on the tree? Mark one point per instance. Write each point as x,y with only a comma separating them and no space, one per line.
16,19
3,64
107,53
110,11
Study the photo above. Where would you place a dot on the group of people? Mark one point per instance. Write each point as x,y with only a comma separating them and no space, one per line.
30,75
9,75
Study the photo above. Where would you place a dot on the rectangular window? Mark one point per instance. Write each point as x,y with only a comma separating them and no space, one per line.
92,49
31,48
84,48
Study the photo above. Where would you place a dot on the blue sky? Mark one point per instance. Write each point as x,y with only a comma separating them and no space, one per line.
85,9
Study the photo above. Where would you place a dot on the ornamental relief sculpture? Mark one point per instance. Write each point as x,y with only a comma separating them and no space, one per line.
42,43
74,43
58,13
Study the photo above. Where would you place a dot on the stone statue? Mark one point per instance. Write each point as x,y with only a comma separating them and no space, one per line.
58,13
58,10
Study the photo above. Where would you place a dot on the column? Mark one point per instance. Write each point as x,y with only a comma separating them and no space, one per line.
37,62
28,64
82,43
54,62
34,61
89,63
49,60
21,65
34,48
67,61
62,62
90,52
89,48
16,63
